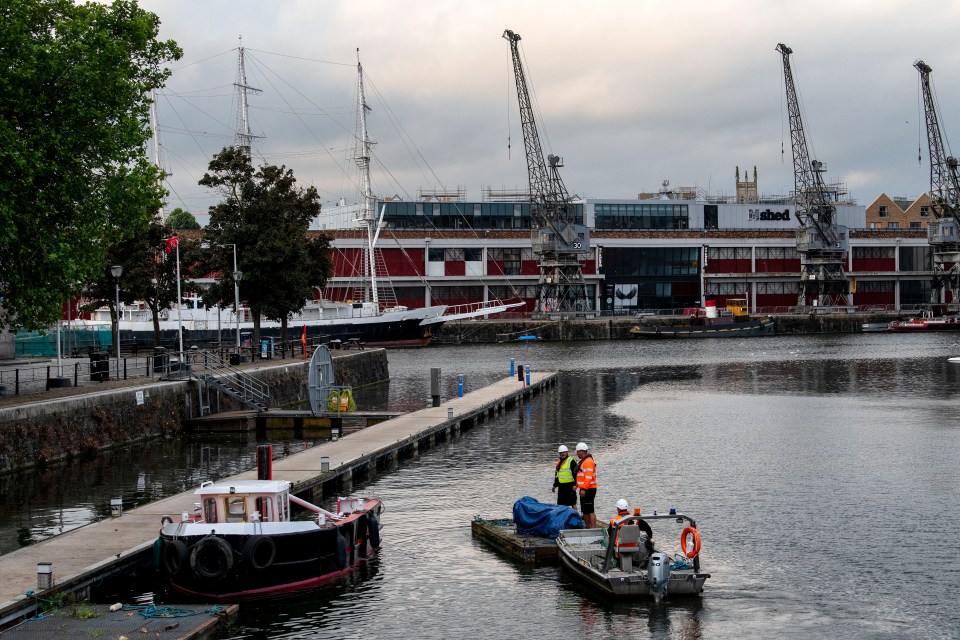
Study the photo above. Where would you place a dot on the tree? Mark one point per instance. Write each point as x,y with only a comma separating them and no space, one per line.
74,174
266,216
182,220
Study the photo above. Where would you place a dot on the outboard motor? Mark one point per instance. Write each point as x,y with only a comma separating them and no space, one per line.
658,574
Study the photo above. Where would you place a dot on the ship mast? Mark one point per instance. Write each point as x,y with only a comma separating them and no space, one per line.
244,135
367,217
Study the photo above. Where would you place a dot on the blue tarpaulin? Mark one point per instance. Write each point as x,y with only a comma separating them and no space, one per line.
535,518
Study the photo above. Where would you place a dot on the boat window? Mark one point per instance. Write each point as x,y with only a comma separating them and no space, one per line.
282,512
236,509
265,507
210,510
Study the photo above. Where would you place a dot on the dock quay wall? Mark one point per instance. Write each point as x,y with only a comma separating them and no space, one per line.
58,428
618,328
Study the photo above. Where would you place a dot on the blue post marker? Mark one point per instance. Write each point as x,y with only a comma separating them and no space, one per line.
528,375
460,385
512,370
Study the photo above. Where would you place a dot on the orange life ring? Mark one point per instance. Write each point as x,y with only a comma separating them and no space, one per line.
696,542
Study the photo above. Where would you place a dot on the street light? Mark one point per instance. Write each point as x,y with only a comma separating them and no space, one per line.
116,271
237,275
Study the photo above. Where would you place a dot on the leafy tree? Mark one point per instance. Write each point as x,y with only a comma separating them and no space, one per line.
149,273
74,175
266,216
180,220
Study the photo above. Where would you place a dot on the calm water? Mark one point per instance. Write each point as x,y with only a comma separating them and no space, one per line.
821,470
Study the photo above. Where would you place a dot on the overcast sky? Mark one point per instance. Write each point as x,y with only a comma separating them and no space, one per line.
629,92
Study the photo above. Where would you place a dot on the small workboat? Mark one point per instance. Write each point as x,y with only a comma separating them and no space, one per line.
708,322
241,542
621,561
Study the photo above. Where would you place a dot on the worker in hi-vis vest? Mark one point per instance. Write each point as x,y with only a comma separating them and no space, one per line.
587,484
564,478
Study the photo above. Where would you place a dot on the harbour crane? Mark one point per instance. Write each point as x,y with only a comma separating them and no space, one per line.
821,242
558,240
943,232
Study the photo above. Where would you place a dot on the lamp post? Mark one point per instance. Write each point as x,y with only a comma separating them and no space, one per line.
116,271
237,275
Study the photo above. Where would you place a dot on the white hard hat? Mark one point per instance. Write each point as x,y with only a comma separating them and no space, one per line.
582,446
562,449
622,504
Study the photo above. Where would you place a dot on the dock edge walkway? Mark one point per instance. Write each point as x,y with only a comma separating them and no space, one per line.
85,555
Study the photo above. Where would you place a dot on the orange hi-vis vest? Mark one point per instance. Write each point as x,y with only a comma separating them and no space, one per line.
587,473
616,520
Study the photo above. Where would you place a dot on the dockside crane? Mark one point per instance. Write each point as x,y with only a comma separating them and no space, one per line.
821,242
943,232
558,240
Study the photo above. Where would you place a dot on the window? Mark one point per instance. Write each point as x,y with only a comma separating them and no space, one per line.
236,508
924,211
914,225
893,225
473,254
883,211
210,510
435,255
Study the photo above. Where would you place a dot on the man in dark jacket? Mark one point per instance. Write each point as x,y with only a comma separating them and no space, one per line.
564,478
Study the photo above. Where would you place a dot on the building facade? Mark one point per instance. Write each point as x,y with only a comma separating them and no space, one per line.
647,254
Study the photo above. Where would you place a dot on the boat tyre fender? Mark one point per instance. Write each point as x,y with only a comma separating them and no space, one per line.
341,556
212,558
174,556
373,526
690,553
259,552
165,520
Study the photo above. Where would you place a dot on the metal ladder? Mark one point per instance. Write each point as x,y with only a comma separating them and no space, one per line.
221,375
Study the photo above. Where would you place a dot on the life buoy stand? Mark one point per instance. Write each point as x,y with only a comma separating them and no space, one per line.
341,401
690,553
212,558
174,556
259,552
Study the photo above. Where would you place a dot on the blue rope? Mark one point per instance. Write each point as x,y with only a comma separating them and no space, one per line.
153,611
37,600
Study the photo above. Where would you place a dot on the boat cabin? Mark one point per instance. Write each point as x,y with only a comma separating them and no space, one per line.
245,501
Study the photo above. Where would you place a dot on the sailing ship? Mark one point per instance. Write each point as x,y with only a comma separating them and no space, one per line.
370,318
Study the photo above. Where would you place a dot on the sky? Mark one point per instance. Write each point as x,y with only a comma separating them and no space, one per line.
628,93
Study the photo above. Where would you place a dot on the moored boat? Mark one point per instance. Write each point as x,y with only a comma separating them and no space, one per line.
241,542
925,325
735,323
621,560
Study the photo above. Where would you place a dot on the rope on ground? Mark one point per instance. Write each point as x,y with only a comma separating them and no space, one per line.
37,599
153,611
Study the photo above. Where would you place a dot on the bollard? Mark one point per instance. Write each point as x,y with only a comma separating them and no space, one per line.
116,507
324,463
435,385
528,375
512,372
264,462
449,413
44,575
459,385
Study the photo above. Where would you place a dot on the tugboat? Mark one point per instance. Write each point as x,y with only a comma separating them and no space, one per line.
621,561
241,543
735,323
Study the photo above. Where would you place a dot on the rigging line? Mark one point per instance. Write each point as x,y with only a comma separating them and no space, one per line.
256,64
284,55
190,64
509,74
203,152
534,102
921,117
189,104
405,138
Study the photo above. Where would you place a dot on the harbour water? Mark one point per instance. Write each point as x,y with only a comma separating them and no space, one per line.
821,470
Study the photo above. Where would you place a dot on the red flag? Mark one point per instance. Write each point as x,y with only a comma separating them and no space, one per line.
170,244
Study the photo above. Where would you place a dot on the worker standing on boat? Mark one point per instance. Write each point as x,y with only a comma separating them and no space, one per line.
587,484
564,480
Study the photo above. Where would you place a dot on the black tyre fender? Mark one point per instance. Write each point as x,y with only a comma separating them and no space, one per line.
174,556
373,524
341,556
259,552
212,558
